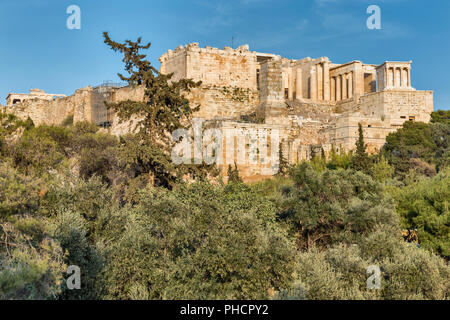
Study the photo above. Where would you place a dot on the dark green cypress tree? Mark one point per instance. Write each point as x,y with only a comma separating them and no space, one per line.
283,164
163,110
233,174
360,160
165,107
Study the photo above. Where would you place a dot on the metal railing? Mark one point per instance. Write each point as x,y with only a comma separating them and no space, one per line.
111,84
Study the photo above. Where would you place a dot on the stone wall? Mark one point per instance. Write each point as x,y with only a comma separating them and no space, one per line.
14,98
223,102
272,105
380,113
55,111
229,84
398,105
86,104
255,147
212,66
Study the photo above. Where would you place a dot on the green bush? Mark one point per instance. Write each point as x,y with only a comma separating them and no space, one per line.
29,271
41,149
19,194
424,205
335,205
340,272
71,231
199,242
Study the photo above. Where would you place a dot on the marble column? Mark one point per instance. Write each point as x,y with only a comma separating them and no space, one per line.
338,87
290,85
390,77
333,89
350,84
319,71
409,78
326,81
313,84
344,86
298,84
398,77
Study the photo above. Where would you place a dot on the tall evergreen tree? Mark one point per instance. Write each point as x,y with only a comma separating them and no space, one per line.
360,160
233,174
163,110
282,162
165,107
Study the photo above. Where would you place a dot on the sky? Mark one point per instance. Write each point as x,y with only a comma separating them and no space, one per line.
37,50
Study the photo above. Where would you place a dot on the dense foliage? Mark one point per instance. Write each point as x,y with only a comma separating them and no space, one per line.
75,195
424,205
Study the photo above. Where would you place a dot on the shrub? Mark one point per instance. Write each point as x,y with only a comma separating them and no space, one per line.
19,194
27,271
71,231
340,272
198,242
424,205
324,207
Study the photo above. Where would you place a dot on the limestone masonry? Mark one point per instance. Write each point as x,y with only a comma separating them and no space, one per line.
313,103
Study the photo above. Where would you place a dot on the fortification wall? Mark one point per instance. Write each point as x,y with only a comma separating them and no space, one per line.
344,134
223,102
380,113
212,66
86,104
255,147
55,111
398,105
229,84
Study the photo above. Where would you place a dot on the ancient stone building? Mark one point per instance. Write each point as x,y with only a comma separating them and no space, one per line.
14,98
314,103
247,96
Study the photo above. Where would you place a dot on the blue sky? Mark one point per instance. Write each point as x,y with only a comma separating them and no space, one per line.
38,51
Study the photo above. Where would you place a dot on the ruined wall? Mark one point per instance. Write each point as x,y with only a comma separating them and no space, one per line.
174,62
381,113
345,132
14,98
55,111
258,146
255,147
86,104
223,102
272,106
122,94
229,84
212,66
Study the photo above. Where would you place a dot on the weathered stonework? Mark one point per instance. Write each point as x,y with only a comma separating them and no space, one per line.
14,98
312,103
